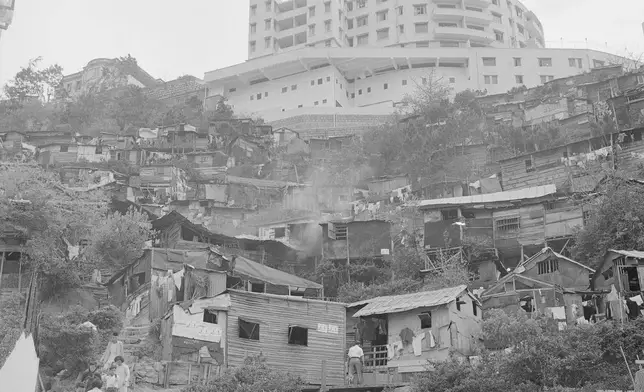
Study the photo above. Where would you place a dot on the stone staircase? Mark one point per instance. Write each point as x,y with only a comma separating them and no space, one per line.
133,338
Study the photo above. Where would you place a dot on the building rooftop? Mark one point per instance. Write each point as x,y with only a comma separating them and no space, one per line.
508,196
405,302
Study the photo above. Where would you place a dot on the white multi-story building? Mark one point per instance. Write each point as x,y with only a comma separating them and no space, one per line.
330,64
278,26
6,14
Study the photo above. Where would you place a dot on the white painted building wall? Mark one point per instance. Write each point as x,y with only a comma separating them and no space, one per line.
360,90
284,25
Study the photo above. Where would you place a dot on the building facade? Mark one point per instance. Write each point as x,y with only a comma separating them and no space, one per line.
6,14
278,26
345,83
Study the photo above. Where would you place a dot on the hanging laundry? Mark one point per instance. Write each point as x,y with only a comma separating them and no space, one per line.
633,309
391,351
177,278
398,348
612,296
406,336
637,299
432,342
559,313
382,327
417,344
369,330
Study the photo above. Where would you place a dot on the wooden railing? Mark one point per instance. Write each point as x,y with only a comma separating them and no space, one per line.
375,358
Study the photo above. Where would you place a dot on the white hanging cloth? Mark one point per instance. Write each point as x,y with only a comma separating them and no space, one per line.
20,371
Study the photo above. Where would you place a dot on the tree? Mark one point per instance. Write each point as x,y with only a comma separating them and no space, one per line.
131,107
616,222
32,82
120,239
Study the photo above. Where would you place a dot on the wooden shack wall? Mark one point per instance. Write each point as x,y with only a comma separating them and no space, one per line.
630,157
568,275
560,222
365,239
532,224
548,169
275,315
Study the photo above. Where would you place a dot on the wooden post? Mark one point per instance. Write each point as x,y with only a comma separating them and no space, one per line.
1,267
348,256
323,381
630,373
19,272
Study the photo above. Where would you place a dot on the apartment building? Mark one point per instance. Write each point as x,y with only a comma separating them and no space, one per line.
276,26
373,81
6,14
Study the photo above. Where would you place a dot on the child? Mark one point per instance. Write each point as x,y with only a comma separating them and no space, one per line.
123,372
84,380
111,380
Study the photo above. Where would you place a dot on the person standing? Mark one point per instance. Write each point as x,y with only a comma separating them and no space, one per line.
123,373
355,363
114,349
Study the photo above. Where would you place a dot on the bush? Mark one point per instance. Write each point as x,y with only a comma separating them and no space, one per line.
252,377
69,343
107,318
11,315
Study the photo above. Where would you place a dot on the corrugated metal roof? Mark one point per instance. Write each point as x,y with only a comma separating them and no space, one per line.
259,182
638,254
267,274
402,303
514,195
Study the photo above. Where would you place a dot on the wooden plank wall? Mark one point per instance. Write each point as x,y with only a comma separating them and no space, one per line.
630,157
548,170
532,225
275,315
560,222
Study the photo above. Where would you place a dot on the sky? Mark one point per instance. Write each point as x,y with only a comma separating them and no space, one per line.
174,38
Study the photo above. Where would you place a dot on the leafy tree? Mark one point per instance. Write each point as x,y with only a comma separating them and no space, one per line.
120,239
616,222
132,107
32,82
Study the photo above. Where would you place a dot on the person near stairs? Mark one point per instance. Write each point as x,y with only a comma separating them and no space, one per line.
111,380
123,373
86,378
114,349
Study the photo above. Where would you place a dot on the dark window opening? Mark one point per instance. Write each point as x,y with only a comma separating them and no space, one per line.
248,330
298,335
340,232
99,149
528,166
209,317
508,225
547,266
425,320
449,214
64,148
258,287
280,232
474,310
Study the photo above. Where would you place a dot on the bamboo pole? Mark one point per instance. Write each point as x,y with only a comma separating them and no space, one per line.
1,267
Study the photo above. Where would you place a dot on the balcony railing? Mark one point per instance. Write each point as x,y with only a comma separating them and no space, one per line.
463,33
375,358
453,14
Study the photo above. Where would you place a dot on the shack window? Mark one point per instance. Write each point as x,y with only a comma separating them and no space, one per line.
337,231
209,316
508,225
474,310
425,320
64,148
586,217
528,166
449,214
280,232
298,335
248,330
547,266
258,287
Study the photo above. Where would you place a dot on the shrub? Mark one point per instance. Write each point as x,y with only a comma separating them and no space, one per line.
11,315
69,343
107,318
251,377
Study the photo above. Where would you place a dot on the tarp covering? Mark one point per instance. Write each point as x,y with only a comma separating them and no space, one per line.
20,371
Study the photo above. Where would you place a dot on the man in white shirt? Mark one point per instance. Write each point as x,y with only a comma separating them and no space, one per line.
356,359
